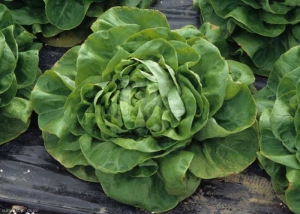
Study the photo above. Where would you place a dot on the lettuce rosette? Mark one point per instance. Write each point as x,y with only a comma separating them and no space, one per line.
280,127
18,73
147,111
63,23
258,32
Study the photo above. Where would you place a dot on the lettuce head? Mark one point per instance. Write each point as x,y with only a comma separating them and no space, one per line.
257,32
280,127
147,111
18,73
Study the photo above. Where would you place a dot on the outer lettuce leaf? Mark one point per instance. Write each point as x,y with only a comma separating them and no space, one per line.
256,32
63,23
123,109
217,156
18,73
279,128
292,193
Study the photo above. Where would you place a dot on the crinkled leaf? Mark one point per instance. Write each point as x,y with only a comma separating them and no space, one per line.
146,192
285,64
14,119
212,73
108,157
119,17
173,169
271,147
219,157
86,173
144,169
240,72
277,173
26,68
30,15
282,118
230,118
94,58
67,158
5,17
66,14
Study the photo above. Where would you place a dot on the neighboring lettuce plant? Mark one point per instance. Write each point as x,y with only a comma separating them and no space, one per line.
146,111
63,23
258,32
279,125
18,73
